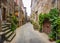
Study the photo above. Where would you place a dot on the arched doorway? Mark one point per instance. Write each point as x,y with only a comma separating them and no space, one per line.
46,26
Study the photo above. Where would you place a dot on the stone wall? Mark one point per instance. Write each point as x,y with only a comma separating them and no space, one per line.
58,4
43,6
21,13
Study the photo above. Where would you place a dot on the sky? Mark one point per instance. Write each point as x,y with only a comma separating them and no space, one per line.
27,4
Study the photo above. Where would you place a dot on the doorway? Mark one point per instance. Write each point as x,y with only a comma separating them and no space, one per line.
46,26
3,14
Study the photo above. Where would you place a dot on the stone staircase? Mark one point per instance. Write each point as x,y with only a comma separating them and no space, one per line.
8,34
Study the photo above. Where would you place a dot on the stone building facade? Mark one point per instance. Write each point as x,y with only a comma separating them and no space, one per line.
6,8
42,6
25,14
21,12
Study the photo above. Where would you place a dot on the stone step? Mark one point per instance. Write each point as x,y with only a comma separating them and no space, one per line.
11,37
1,33
4,29
8,23
9,34
8,16
3,26
5,42
7,31
8,19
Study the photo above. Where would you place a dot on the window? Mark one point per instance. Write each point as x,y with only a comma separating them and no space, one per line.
36,12
53,1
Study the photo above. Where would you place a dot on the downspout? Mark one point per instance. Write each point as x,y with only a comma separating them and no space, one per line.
1,22
19,13
57,4
0,15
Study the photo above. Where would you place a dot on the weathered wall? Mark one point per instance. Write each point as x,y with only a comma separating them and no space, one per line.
43,6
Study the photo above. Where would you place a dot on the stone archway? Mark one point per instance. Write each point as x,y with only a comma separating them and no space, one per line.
46,26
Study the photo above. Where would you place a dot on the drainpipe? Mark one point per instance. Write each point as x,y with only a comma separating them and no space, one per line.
1,39
8,7
0,18
0,15
57,4
19,14
13,10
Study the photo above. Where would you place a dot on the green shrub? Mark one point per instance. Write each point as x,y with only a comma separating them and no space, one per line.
36,26
13,27
31,21
14,19
58,27
58,41
52,36
53,15
13,23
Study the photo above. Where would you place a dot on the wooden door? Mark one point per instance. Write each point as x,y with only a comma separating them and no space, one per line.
4,14
46,26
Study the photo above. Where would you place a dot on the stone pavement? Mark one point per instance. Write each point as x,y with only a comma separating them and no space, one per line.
26,34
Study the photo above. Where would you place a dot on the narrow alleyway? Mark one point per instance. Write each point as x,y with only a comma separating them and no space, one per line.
26,34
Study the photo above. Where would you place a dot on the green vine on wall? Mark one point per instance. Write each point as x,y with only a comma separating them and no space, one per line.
53,15
42,16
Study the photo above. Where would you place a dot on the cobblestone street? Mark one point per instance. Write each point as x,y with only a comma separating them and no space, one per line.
26,34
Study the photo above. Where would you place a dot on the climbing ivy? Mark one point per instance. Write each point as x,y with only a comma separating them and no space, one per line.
58,28
42,16
53,18
53,15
